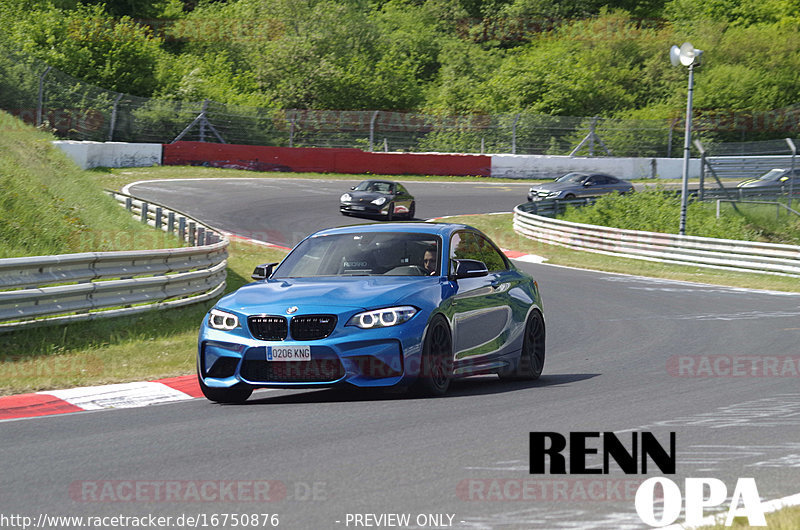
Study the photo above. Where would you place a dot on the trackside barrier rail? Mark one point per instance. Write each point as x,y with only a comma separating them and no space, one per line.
555,207
747,256
70,287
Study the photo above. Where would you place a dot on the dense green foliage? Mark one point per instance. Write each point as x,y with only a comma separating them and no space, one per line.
567,58
658,210
49,206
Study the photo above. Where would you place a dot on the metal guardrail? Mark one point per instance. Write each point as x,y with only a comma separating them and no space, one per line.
70,287
747,256
554,207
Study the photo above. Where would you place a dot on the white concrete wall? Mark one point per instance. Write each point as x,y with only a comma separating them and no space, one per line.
551,166
111,154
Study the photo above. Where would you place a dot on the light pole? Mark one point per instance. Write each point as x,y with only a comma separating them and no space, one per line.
686,55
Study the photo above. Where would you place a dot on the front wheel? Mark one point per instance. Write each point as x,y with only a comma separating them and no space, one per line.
569,197
238,393
412,210
390,213
436,366
531,360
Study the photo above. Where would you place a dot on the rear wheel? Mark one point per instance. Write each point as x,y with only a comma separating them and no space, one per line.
531,360
436,366
238,393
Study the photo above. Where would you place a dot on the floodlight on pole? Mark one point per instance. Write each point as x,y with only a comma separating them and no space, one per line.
686,55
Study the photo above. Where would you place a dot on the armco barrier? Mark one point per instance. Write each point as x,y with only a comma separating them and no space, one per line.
748,256
69,287
323,160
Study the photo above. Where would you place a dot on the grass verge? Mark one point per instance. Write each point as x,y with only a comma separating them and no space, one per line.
784,519
116,178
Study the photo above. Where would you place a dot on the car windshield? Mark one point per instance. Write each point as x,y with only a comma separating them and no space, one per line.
377,187
363,254
772,174
572,177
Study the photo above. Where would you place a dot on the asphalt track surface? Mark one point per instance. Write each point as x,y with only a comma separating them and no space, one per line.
332,453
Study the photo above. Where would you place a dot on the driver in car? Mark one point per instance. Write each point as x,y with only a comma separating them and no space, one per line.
429,261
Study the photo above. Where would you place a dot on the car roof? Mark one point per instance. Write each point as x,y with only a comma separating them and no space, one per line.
440,229
379,180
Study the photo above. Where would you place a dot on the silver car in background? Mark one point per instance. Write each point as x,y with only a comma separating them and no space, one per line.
577,185
777,179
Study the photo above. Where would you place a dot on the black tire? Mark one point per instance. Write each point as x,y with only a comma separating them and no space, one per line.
531,360
238,393
390,214
569,197
412,210
436,364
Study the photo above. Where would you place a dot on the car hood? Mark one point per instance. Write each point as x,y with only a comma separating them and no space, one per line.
276,296
367,195
555,186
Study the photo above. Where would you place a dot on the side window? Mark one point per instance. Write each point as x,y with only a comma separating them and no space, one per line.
469,245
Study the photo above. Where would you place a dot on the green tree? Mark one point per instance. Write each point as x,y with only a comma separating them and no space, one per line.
117,54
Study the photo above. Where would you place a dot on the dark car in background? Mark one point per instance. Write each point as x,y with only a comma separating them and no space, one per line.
777,179
382,198
577,185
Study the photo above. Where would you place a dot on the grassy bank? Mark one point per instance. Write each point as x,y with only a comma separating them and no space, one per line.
49,206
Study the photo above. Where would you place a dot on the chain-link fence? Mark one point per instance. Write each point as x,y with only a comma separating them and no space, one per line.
44,96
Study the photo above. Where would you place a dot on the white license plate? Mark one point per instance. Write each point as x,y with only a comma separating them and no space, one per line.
358,207
288,353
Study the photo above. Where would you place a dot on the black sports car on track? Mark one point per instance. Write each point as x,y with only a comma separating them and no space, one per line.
382,198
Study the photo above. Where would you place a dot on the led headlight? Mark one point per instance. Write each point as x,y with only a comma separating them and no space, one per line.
222,320
345,198
379,201
554,194
382,318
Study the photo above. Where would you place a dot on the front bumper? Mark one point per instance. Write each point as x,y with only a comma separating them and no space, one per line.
364,208
364,358
535,196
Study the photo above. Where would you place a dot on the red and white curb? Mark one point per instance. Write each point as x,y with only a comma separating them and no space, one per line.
117,396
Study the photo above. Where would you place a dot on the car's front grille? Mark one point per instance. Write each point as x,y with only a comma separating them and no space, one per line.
313,371
312,327
268,327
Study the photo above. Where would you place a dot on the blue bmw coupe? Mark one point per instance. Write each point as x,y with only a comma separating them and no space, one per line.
410,305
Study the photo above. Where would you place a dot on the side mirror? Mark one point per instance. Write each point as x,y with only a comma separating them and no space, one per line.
468,268
352,187
588,183
263,271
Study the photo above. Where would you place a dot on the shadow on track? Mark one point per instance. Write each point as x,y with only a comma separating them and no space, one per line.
474,386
